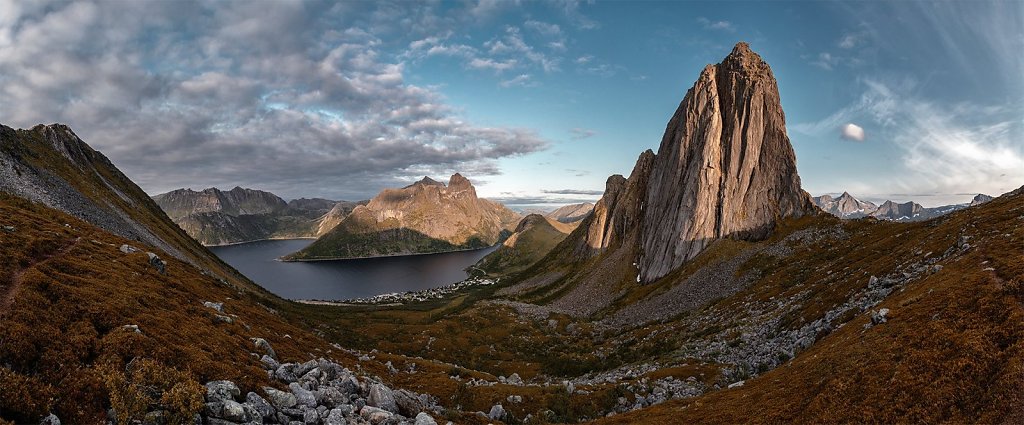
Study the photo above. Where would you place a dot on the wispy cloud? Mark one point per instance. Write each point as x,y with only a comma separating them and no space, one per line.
573,192
716,25
521,80
581,133
946,148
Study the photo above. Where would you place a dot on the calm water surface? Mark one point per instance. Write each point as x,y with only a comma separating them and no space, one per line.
344,279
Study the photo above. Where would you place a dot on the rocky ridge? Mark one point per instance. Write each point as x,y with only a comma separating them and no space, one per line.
571,213
424,217
848,207
216,217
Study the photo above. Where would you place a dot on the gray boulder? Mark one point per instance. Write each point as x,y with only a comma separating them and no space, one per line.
382,397
128,249
280,399
497,412
262,344
50,419
375,415
424,419
304,396
330,396
155,261
335,417
221,391
285,373
310,417
409,403
260,405
269,363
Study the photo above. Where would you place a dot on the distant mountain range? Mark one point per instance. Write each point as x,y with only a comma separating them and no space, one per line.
571,213
424,217
847,206
216,217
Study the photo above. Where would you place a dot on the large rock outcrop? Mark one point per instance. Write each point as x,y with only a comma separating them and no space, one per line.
725,167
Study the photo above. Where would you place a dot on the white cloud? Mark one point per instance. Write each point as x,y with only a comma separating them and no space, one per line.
497,66
544,28
521,80
848,41
716,25
825,61
852,131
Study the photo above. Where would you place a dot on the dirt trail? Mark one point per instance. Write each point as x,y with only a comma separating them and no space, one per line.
12,289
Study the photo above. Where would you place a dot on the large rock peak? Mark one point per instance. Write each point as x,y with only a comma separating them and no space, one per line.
458,183
725,167
619,211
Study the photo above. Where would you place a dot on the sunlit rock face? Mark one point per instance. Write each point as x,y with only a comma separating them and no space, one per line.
725,167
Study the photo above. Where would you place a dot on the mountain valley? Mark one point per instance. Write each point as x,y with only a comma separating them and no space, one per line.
705,287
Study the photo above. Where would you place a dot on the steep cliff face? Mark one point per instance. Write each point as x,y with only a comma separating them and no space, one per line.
725,167
618,212
235,202
426,216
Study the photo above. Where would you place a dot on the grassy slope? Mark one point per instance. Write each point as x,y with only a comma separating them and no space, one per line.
31,147
524,248
951,351
70,290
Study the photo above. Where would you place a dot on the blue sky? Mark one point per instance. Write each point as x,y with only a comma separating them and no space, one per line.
536,102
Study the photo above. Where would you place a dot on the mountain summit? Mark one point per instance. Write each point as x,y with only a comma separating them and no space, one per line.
725,170
725,167
424,217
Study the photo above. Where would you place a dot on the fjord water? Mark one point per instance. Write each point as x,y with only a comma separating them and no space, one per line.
343,279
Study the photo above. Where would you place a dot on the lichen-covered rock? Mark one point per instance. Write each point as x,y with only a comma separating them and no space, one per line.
221,391
260,405
280,399
302,395
381,396
375,415
424,419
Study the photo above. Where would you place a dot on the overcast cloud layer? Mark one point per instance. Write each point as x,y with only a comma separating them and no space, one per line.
292,97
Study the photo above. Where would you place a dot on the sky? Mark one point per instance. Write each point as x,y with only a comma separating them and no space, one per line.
536,102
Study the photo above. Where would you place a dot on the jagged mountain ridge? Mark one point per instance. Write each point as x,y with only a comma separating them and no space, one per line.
845,206
215,217
848,207
424,217
571,213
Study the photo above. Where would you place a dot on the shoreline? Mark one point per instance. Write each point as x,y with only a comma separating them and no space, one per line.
261,240
310,260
